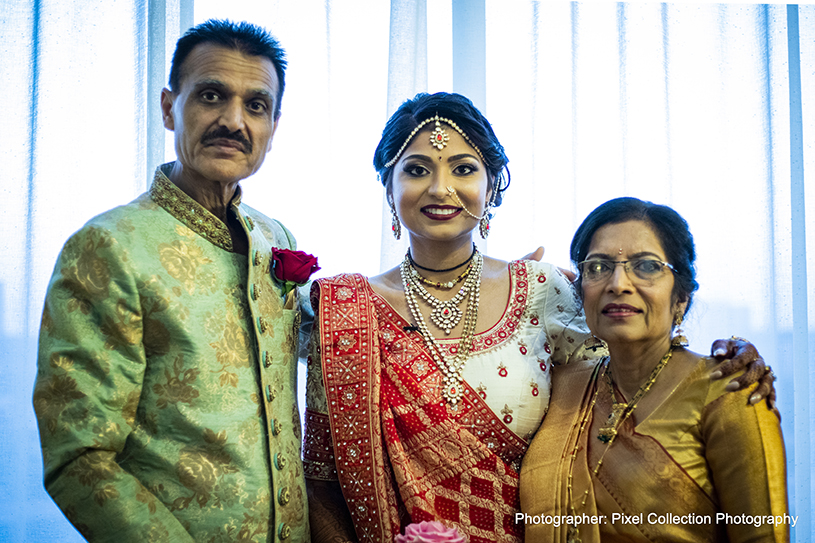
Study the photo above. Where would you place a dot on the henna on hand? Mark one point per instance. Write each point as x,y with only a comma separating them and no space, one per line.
737,353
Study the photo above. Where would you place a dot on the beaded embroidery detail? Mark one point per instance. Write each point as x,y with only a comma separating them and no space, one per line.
195,216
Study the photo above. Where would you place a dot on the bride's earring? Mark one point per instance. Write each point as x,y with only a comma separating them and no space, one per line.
396,226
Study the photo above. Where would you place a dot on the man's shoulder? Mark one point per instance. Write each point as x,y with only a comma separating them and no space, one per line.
141,204
277,234
124,220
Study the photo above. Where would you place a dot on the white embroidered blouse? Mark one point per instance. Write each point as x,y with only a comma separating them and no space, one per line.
509,364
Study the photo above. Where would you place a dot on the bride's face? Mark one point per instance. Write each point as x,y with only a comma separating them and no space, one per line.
420,182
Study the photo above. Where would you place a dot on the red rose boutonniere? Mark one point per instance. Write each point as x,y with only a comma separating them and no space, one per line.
293,268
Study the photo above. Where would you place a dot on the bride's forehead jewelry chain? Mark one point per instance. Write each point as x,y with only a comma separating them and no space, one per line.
619,414
452,368
438,138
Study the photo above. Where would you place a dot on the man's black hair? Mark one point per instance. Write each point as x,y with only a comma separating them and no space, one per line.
247,38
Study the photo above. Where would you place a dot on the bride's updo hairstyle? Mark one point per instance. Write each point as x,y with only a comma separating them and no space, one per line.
456,108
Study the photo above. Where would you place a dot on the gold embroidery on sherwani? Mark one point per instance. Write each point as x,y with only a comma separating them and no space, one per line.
231,348
190,212
182,261
156,336
131,406
201,469
125,225
122,328
89,278
53,396
178,388
157,534
92,470
147,498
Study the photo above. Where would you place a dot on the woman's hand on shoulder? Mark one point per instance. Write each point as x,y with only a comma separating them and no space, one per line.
737,353
537,255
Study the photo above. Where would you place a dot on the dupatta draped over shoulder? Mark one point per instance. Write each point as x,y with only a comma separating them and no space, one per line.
400,451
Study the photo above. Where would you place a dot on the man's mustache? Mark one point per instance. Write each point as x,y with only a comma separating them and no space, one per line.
224,133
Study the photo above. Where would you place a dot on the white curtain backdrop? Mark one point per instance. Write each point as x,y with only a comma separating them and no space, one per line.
692,105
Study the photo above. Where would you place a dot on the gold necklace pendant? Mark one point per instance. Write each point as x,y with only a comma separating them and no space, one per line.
609,429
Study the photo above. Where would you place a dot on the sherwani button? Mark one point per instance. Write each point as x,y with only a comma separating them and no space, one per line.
250,223
283,531
255,291
270,393
267,360
279,461
258,258
283,495
262,325
276,427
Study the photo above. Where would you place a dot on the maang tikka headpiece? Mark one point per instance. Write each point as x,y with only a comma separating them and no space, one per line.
438,138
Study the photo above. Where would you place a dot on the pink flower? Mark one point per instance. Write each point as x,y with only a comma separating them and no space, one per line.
430,532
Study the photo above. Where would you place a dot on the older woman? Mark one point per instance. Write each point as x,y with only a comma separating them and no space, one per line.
643,440
427,382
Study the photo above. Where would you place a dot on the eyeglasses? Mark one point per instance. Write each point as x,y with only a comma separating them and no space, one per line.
645,269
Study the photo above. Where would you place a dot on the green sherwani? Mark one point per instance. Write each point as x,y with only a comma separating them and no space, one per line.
166,386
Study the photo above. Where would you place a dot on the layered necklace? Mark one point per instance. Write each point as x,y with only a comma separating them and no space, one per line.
620,411
446,315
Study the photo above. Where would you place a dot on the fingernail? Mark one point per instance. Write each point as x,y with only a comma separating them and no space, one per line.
731,386
754,399
719,352
716,375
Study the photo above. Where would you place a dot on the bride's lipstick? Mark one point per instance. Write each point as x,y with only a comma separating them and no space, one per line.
440,213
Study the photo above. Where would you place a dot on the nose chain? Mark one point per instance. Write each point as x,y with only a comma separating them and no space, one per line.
455,197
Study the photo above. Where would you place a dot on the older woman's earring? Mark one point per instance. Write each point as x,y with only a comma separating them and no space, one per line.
396,226
679,339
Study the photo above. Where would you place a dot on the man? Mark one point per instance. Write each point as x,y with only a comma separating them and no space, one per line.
165,392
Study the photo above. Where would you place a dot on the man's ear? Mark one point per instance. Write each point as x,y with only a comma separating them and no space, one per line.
271,137
167,99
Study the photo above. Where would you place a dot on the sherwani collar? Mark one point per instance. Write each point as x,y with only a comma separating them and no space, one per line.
195,216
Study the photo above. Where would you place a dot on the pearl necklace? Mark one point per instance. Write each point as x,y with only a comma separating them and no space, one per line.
452,383
446,314
438,284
